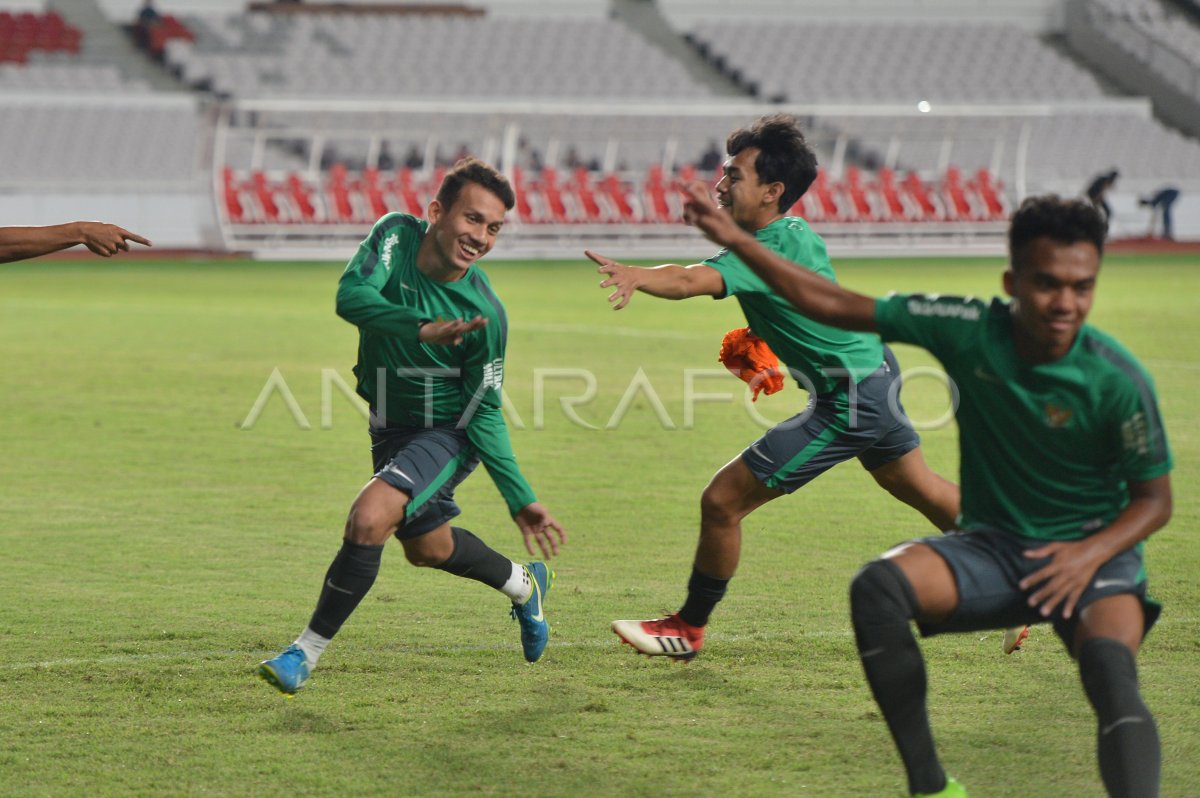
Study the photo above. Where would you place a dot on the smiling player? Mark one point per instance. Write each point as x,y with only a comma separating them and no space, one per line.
1065,472
432,337
850,377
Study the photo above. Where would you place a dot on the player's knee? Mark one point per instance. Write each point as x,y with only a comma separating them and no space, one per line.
719,506
1108,671
881,593
368,525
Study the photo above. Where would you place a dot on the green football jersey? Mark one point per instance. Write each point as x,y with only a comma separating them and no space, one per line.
411,384
1046,450
823,354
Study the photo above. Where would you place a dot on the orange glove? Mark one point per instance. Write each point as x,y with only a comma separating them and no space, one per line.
749,358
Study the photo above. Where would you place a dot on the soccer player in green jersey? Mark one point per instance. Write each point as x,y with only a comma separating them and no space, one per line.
106,240
432,338
848,375
1064,471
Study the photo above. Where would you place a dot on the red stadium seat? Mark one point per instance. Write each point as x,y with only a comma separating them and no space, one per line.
959,206
656,193
408,193
617,193
583,191
891,194
927,210
264,193
991,195
859,203
553,195
338,191
298,193
376,201
233,204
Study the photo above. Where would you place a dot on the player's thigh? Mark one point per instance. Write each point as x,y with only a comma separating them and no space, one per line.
977,580
428,465
735,491
931,578
797,451
1115,604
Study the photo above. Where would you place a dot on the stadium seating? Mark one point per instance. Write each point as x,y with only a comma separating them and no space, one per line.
585,197
892,62
27,31
325,54
99,141
1167,41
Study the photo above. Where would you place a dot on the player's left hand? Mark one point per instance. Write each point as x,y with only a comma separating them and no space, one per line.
536,523
700,210
625,279
1062,580
449,332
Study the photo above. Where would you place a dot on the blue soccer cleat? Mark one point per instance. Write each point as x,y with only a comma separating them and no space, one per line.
287,672
535,632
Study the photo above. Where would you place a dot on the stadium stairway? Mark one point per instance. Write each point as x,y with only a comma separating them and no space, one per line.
105,44
647,21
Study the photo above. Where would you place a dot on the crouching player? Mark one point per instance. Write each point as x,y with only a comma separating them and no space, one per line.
1064,473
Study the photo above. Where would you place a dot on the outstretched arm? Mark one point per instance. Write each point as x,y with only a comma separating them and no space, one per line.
668,282
19,243
816,297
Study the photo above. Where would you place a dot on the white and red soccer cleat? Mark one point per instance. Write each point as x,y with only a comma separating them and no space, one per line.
1014,637
666,637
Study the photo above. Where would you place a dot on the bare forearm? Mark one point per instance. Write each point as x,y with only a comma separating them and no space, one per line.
670,281
1141,518
18,243
816,297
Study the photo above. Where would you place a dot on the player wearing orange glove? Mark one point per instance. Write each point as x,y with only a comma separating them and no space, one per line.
853,410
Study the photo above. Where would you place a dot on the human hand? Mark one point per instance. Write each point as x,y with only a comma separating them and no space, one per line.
1062,580
625,279
107,240
536,523
449,332
700,210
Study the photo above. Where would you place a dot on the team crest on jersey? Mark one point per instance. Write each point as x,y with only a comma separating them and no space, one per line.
1056,417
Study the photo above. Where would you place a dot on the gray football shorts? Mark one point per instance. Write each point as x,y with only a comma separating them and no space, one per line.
832,429
988,565
427,464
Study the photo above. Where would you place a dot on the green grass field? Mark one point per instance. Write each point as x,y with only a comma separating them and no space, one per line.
154,547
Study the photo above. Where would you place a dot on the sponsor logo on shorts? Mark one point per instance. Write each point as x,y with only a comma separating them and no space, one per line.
1101,584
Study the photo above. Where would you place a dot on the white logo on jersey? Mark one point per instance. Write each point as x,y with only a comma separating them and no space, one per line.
1135,434
932,306
493,374
385,257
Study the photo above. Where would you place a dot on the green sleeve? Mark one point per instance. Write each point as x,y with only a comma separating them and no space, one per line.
738,277
940,324
360,298
1144,452
482,380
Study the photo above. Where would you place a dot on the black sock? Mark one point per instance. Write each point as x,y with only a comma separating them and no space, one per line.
1127,739
703,594
881,605
474,559
348,579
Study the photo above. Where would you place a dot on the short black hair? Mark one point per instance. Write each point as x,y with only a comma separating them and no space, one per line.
1065,221
784,156
473,170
